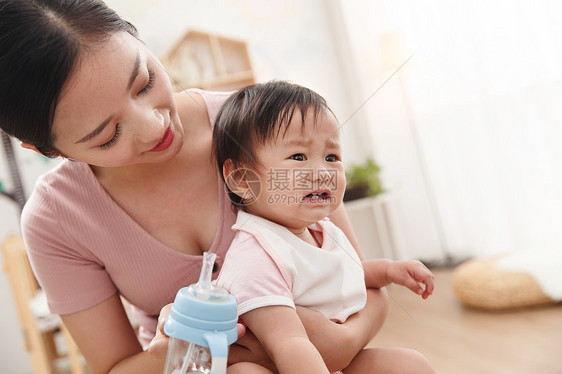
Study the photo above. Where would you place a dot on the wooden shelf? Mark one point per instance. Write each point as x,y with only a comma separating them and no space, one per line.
209,62
40,344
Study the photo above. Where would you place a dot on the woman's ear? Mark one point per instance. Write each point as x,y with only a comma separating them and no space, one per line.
241,180
30,146
27,145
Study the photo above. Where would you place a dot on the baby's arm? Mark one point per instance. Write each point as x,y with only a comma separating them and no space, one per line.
282,334
380,273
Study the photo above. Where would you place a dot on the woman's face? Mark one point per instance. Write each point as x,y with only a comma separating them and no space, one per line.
117,108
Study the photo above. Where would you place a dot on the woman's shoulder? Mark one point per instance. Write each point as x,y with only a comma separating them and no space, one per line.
64,170
66,180
62,186
44,210
200,105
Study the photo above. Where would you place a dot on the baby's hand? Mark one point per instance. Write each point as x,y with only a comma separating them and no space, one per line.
410,274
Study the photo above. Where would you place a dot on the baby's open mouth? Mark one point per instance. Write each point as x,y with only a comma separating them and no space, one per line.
317,196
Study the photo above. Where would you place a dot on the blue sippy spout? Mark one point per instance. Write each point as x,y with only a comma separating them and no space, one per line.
204,290
206,270
205,315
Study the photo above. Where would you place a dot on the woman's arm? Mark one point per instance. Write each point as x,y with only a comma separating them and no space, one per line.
340,218
108,342
339,343
282,334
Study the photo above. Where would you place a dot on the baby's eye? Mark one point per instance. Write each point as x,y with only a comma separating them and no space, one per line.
331,158
298,157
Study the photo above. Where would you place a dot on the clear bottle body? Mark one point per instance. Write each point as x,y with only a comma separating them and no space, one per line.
187,358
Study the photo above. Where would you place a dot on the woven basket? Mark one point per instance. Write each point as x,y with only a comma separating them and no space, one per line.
480,283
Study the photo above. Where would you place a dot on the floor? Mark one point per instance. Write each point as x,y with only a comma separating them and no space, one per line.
458,340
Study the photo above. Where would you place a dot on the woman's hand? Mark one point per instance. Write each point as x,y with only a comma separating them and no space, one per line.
339,343
158,347
249,349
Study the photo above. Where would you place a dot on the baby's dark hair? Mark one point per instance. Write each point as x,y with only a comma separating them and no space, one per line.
255,115
40,41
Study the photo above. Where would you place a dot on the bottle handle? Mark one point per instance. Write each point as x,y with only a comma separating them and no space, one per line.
218,346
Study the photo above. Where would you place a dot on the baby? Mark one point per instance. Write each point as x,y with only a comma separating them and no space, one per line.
278,148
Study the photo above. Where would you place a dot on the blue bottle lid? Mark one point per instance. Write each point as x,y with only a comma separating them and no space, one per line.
202,309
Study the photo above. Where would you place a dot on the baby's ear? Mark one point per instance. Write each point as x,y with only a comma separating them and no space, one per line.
234,177
241,180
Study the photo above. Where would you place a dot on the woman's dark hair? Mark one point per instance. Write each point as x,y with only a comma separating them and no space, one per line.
40,41
255,115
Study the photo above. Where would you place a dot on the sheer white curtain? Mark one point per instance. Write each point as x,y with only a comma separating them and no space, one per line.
484,94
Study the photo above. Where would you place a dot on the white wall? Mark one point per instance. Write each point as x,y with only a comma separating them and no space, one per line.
483,93
288,39
387,127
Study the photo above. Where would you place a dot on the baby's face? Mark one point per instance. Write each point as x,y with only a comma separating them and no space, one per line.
301,175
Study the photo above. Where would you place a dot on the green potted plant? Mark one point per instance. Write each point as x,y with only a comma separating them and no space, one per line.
362,180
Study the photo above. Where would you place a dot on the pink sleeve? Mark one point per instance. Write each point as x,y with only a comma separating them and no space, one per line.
252,277
71,279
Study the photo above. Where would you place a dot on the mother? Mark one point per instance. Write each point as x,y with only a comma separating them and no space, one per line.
138,199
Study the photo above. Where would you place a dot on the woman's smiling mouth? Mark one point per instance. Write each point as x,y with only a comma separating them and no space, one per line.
166,141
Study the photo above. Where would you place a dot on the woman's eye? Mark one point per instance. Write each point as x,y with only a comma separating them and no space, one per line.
298,157
150,82
113,140
331,158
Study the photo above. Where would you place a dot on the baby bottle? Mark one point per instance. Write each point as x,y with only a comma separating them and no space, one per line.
201,326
